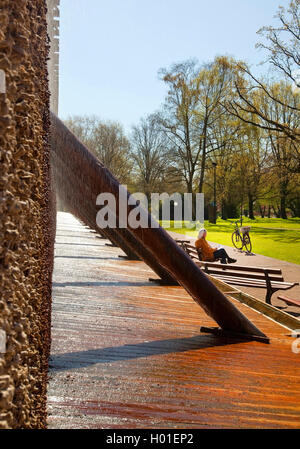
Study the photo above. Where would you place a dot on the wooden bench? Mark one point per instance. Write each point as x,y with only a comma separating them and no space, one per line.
181,242
289,301
258,277
193,252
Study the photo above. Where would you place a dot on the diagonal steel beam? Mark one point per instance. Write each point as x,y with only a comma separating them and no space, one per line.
72,170
91,178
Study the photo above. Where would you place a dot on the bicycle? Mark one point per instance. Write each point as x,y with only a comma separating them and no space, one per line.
241,238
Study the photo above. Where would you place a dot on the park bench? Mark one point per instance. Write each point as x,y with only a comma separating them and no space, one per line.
289,301
192,251
181,242
248,276
258,277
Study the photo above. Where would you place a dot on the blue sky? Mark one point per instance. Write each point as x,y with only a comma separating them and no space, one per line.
111,50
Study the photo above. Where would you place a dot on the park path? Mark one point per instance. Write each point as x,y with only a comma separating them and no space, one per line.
290,271
128,354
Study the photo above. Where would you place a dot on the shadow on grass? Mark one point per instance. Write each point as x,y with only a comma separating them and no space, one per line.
278,235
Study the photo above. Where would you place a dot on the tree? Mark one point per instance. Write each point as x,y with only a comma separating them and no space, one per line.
190,111
213,85
283,149
293,201
283,42
223,138
107,141
244,106
283,46
281,154
150,156
241,168
177,119
83,127
253,156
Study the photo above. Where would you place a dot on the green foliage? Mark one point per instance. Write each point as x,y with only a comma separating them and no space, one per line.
217,114
107,141
276,238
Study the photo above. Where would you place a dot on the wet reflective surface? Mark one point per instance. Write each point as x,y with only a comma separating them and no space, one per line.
128,353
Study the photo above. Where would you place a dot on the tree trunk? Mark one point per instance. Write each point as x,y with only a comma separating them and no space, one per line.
262,211
250,205
283,195
189,185
277,212
201,180
223,211
203,159
283,207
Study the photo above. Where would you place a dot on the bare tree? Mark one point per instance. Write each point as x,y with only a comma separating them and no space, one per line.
177,118
283,42
283,46
149,152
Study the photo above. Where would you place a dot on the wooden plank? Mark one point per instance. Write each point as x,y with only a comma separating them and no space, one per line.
255,283
289,301
244,275
262,281
242,281
242,267
190,246
128,354
190,250
195,255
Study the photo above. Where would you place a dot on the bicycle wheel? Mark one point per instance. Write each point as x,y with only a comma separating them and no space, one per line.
237,240
247,243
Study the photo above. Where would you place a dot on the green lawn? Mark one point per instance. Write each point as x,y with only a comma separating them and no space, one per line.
273,237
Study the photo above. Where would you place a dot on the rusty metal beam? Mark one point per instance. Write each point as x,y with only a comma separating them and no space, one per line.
75,201
91,178
73,166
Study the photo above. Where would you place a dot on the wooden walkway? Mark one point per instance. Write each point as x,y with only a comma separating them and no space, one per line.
128,354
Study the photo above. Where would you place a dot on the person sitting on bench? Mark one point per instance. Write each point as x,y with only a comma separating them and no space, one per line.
211,254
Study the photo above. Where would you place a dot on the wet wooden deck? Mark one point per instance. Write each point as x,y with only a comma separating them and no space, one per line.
129,354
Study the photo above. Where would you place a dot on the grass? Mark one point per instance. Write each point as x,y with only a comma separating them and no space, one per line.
273,237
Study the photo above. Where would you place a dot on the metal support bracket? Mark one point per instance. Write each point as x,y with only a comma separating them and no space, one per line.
229,334
163,282
128,258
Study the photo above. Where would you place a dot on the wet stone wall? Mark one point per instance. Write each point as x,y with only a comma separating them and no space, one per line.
27,219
